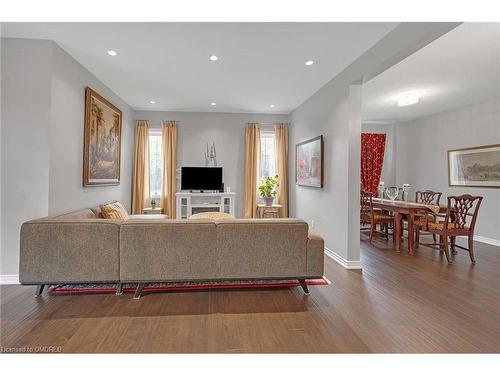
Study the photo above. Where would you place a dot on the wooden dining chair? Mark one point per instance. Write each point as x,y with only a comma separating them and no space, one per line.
369,215
459,220
426,197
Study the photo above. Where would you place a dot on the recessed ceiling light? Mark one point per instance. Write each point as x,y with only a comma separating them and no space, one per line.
272,106
112,53
152,101
213,104
309,62
408,98
213,58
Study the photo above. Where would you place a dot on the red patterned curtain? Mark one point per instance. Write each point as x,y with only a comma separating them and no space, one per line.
372,159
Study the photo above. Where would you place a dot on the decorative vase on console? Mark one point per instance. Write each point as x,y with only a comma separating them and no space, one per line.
381,189
267,189
406,191
153,204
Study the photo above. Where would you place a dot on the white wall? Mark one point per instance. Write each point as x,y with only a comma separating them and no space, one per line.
42,139
422,146
389,166
227,130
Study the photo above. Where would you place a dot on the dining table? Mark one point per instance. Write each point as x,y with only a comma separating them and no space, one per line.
411,210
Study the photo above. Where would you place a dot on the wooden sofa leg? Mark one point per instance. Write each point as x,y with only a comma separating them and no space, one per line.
39,289
138,290
119,289
303,284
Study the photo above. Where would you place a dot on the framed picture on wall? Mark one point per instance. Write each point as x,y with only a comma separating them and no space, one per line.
309,162
102,141
475,166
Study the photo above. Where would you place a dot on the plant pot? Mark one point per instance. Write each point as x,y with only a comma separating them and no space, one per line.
269,201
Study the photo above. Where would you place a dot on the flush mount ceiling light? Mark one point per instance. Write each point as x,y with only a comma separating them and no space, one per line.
272,106
213,58
408,98
213,104
309,62
152,101
112,53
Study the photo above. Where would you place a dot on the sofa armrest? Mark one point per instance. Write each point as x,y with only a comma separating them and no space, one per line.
315,255
69,250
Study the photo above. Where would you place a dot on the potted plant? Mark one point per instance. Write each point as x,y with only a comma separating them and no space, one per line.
153,203
267,189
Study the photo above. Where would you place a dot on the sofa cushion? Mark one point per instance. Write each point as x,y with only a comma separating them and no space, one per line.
147,217
163,250
261,248
97,212
81,214
69,250
114,210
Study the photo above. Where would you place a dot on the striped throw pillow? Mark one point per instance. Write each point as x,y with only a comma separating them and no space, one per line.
114,210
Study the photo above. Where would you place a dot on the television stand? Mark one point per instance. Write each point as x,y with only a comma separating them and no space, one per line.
190,203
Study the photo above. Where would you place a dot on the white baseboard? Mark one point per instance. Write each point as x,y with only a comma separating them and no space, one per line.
349,264
489,241
9,279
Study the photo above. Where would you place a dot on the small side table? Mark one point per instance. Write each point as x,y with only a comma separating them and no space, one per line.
272,211
152,211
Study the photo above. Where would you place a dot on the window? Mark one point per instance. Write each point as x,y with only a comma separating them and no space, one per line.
267,154
155,163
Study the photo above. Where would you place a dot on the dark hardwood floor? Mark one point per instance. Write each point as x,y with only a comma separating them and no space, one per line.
397,303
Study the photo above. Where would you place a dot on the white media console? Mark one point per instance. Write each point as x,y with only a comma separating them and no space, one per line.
193,203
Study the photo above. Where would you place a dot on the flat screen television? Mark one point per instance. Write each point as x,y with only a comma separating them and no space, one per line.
201,178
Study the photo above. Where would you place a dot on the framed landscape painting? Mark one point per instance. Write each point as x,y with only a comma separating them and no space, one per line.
475,166
102,141
309,162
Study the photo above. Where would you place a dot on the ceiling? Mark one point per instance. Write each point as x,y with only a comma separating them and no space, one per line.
259,63
460,68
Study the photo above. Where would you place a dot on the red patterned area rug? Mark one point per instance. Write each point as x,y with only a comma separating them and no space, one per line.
172,287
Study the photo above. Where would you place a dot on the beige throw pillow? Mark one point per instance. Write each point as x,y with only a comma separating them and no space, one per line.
114,210
212,215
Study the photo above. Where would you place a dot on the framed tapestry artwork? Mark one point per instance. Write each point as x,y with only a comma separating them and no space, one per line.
102,141
475,166
309,162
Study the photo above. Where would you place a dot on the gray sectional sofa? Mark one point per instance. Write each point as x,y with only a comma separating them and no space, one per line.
80,247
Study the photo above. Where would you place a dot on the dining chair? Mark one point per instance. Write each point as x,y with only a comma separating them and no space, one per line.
459,220
369,215
427,197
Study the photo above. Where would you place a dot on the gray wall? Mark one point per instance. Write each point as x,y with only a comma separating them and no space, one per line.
334,111
66,192
422,146
389,166
42,139
26,68
227,130
328,210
